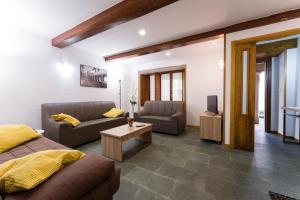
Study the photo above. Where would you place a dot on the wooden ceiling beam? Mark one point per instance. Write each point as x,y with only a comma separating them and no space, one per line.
165,46
284,16
273,49
120,13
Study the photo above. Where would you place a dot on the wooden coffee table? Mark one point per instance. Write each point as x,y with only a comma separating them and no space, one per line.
112,139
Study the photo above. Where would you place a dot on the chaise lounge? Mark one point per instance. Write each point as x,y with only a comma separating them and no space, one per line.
166,116
90,115
94,177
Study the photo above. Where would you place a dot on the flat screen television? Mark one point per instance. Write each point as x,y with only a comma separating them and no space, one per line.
212,104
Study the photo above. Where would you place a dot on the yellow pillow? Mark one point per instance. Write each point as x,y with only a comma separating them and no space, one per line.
113,113
67,118
14,135
29,171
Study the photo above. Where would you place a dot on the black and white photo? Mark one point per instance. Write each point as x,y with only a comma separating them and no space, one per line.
93,77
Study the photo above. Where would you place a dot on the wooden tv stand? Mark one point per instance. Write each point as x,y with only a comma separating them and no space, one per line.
211,126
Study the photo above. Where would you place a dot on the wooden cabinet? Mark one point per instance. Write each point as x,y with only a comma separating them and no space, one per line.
211,127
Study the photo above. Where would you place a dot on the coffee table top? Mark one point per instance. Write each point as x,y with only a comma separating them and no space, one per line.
125,130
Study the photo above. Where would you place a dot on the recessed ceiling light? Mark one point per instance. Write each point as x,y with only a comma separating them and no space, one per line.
168,54
142,32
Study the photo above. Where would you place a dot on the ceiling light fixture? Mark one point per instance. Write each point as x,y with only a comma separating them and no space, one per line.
142,32
168,54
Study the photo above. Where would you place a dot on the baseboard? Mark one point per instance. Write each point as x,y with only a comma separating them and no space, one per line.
292,138
193,126
227,146
273,132
281,135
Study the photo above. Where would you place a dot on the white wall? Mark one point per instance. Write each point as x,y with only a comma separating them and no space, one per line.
291,87
287,60
298,89
281,78
274,94
261,92
282,26
203,75
33,72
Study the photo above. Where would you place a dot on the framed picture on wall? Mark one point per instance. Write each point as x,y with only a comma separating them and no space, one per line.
93,77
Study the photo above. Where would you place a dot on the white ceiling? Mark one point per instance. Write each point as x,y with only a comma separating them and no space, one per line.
49,18
183,52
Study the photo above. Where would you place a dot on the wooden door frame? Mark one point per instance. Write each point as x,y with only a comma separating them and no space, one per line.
234,44
268,91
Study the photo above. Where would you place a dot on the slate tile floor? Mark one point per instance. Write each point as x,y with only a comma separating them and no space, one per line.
186,168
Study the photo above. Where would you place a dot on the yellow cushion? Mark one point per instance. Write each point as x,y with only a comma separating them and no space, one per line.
67,118
113,113
27,172
14,135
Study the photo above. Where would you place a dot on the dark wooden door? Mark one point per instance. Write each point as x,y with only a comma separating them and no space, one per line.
145,88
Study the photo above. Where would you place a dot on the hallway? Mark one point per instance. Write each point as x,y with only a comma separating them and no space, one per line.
283,160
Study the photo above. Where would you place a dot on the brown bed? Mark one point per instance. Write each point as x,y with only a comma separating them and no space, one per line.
92,178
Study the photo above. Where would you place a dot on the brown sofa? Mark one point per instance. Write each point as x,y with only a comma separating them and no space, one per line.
166,116
92,178
90,115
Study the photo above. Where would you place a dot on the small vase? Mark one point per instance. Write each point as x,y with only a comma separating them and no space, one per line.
130,121
132,110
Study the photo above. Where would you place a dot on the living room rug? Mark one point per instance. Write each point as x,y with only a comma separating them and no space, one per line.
276,196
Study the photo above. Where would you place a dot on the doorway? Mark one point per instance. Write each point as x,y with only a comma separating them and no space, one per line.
246,111
260,93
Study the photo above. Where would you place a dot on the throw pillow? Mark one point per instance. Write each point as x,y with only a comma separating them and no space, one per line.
66,118
113,113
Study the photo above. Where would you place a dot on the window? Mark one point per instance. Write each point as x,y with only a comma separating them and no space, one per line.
165,87
245,81
177,86
152,87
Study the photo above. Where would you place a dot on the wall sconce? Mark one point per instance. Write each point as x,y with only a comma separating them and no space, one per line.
65,70
221,64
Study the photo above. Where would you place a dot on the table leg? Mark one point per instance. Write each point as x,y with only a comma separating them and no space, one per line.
111,147
146,137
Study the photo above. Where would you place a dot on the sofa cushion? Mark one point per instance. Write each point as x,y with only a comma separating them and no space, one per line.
89,130
14,135
152,117
32,146
163,108
98,122
161,123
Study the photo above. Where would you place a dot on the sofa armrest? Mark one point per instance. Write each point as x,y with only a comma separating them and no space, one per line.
140,113
125,115
54,128
180,118
176,115
73,181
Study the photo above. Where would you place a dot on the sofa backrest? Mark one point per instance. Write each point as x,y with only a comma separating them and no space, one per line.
84,111
163,108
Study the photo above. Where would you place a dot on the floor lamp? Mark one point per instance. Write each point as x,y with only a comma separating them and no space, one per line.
120,92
